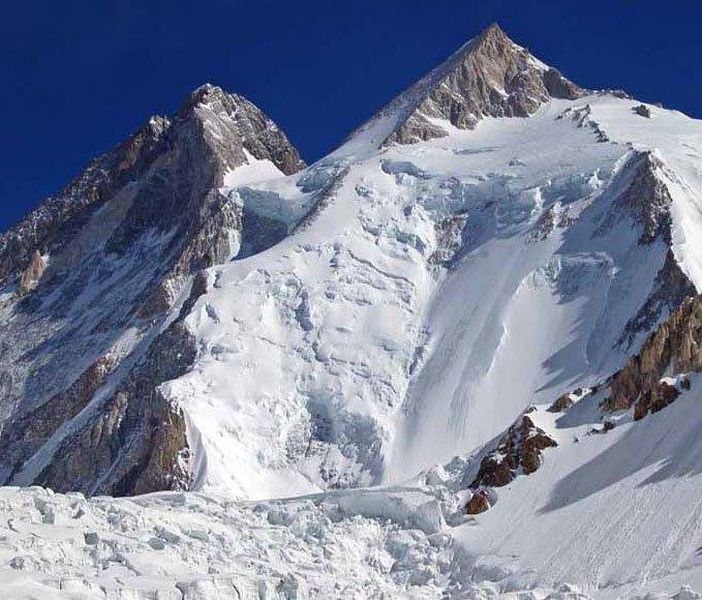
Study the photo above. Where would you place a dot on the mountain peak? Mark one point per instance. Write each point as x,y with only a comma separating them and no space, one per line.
489,76
493,32
231,122
486,44
202,95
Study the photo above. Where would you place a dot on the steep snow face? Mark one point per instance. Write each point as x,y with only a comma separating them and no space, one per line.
431,293
609,508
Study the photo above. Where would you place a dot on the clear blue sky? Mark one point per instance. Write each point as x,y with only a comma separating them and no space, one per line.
78,77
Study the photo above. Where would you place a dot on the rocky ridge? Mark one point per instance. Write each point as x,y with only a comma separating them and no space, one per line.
673,349
59,218
490,76
131,230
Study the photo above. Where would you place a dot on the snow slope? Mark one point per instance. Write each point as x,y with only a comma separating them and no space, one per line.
676,138
375,340
604,510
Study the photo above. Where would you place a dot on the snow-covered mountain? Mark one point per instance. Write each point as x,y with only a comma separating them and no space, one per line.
483,302
93,282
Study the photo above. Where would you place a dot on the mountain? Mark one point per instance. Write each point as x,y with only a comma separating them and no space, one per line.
467,340
93,281
490,76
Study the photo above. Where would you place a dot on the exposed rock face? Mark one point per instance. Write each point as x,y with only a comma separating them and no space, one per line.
673,349
31,275
670,289
478,503
654,399
606,427
124,436
544,225
212,134
179,163
642,110
521,447
137,444
648,200
562,403
59,218
489,76
26,433
92,334
644,198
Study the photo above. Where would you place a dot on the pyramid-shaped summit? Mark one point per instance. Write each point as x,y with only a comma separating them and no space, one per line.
489,76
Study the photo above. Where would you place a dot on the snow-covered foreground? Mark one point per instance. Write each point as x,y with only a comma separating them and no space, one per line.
618,515
192,546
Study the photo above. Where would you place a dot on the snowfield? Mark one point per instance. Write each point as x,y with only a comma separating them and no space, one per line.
614,521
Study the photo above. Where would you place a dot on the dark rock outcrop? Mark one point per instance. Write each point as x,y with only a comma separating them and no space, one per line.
674,348
642,110
643,202
654,399
520,446
606,427
479,503
671,288
561,404
214,132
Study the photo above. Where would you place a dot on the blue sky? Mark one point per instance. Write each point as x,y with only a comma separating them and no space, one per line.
78,77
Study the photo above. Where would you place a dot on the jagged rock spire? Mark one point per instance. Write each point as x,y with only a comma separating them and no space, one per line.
244,121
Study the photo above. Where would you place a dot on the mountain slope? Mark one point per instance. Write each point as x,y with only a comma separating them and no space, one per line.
402,313
616,499
95,329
